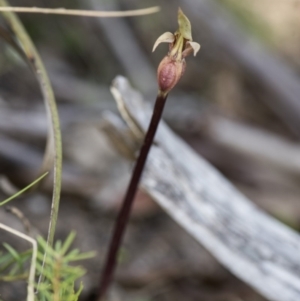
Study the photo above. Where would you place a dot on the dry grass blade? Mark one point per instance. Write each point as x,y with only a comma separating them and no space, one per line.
54,147
85,13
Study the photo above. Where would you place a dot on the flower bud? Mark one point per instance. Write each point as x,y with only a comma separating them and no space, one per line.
181,44
169,72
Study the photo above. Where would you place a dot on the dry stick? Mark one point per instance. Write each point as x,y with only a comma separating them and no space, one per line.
21,217
124,213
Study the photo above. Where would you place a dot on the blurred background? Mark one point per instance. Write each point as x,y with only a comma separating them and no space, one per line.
238,106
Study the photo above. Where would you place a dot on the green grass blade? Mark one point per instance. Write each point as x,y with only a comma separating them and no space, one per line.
23,190
67,243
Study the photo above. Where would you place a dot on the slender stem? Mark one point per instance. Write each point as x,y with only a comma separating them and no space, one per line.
124,213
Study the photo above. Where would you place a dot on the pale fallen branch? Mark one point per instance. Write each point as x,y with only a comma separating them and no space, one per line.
253,245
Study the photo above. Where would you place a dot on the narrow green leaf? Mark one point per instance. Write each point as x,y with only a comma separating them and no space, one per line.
68,243
14,254
24,189
58,246
83,256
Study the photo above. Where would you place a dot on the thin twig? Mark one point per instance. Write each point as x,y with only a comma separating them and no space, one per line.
20,215
85,13
124,213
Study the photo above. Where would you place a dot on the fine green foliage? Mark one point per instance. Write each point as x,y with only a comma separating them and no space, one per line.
12,264
58,273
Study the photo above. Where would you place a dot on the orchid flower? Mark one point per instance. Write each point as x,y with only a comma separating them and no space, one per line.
181,45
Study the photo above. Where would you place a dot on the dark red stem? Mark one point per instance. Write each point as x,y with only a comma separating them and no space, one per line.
124,213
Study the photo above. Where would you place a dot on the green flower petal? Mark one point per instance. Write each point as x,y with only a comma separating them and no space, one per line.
184,25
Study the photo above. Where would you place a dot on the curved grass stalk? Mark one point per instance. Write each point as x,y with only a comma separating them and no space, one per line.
30,286
53,152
